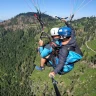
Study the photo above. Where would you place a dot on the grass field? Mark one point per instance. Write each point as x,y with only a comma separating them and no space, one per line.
79,82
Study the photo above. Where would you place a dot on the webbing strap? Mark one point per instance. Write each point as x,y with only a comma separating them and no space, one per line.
53,44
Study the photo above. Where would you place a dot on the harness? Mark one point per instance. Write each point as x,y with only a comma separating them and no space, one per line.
55,48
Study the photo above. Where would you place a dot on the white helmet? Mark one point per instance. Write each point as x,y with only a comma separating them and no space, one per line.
54,31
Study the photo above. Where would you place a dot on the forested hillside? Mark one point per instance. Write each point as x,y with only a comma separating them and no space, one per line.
25,20
18,44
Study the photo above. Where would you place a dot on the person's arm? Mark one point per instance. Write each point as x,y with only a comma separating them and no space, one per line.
67,23
63,53
41,44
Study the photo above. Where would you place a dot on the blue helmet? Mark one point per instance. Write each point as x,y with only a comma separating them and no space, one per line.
65,32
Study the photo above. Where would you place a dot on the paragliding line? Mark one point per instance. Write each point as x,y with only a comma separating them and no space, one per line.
83,6
28,5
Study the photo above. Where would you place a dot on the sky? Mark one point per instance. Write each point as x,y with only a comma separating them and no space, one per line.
61,8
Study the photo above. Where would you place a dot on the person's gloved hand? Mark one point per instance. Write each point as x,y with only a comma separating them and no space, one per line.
41,43
51,74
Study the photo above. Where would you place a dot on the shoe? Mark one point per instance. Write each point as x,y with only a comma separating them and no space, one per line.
39,68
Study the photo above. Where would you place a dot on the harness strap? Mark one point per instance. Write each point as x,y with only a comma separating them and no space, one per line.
53,44
55,48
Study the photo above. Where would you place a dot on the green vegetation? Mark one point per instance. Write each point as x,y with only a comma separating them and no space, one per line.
16,61
18,55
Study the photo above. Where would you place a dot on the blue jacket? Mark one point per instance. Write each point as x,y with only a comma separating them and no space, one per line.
46,50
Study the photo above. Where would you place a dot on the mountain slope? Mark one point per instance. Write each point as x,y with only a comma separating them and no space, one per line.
24,20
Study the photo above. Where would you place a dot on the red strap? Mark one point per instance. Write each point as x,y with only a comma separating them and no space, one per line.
53,44
35,15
